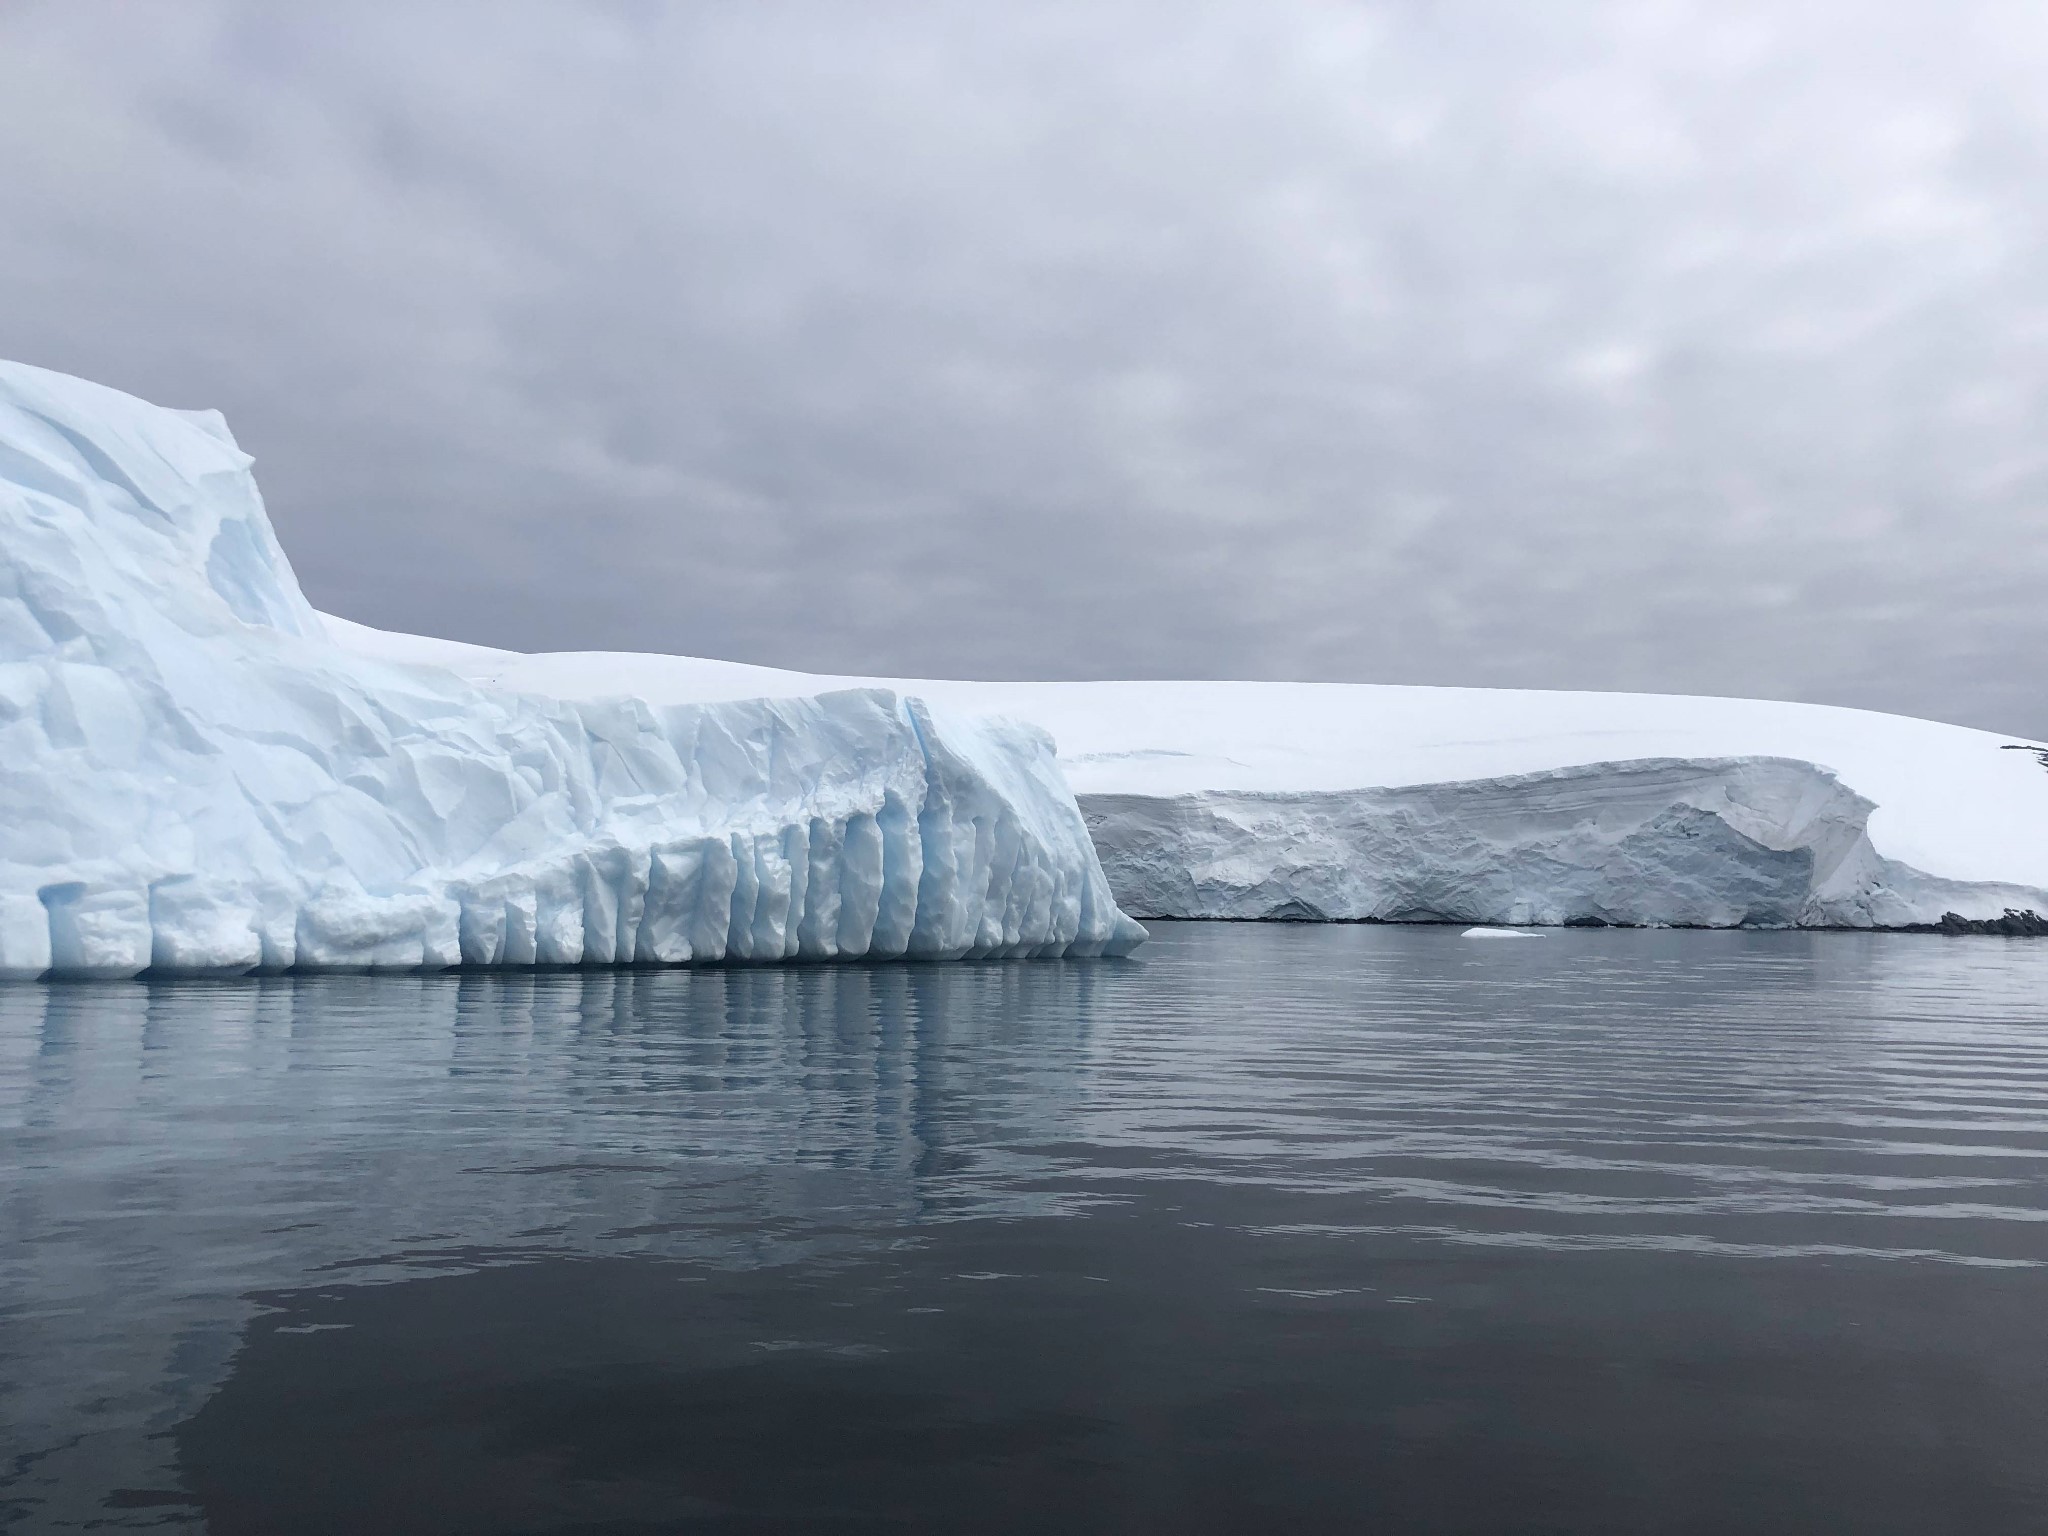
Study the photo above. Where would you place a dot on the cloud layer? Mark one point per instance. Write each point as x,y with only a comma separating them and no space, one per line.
1687,347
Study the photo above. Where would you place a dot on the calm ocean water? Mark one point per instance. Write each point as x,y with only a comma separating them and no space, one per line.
1269,1229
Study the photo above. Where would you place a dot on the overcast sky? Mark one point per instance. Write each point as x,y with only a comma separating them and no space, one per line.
1686,347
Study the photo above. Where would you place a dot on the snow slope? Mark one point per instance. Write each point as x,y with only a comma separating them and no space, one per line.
194,776
1464,804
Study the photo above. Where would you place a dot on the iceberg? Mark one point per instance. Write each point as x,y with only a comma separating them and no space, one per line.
1373,802
197,776
202,773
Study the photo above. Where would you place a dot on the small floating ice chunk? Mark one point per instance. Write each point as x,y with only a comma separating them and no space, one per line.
1499,933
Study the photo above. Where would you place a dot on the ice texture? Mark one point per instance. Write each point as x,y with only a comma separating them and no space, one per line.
1476,805
202,773
195,776
1737,842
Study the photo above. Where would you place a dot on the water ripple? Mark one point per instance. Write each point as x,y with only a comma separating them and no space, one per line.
169,1150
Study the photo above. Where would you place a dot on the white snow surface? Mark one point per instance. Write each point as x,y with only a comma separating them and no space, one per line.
1353,801
199,772
195,776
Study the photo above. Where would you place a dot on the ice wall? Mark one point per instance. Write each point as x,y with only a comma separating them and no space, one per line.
1359,800
1768,842
194,778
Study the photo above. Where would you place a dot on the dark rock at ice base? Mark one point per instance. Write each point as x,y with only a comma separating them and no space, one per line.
2014,925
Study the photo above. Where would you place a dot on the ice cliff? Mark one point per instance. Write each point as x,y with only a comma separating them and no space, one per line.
1735,842
1504,806
195,777
1475,805
200,773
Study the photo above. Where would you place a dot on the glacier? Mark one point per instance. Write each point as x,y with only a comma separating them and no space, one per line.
1663,842
197,777
202,773
1379,802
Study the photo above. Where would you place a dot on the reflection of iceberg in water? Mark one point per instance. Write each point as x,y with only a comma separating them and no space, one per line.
181,1146
1272,1110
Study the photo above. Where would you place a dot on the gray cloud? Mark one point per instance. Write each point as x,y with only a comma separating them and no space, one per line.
1691,347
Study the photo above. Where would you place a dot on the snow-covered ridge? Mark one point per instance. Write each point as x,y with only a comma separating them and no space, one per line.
195,776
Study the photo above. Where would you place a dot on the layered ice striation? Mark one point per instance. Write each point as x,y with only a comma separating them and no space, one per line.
195,777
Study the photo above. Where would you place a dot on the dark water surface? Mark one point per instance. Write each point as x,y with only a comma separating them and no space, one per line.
1270,1229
